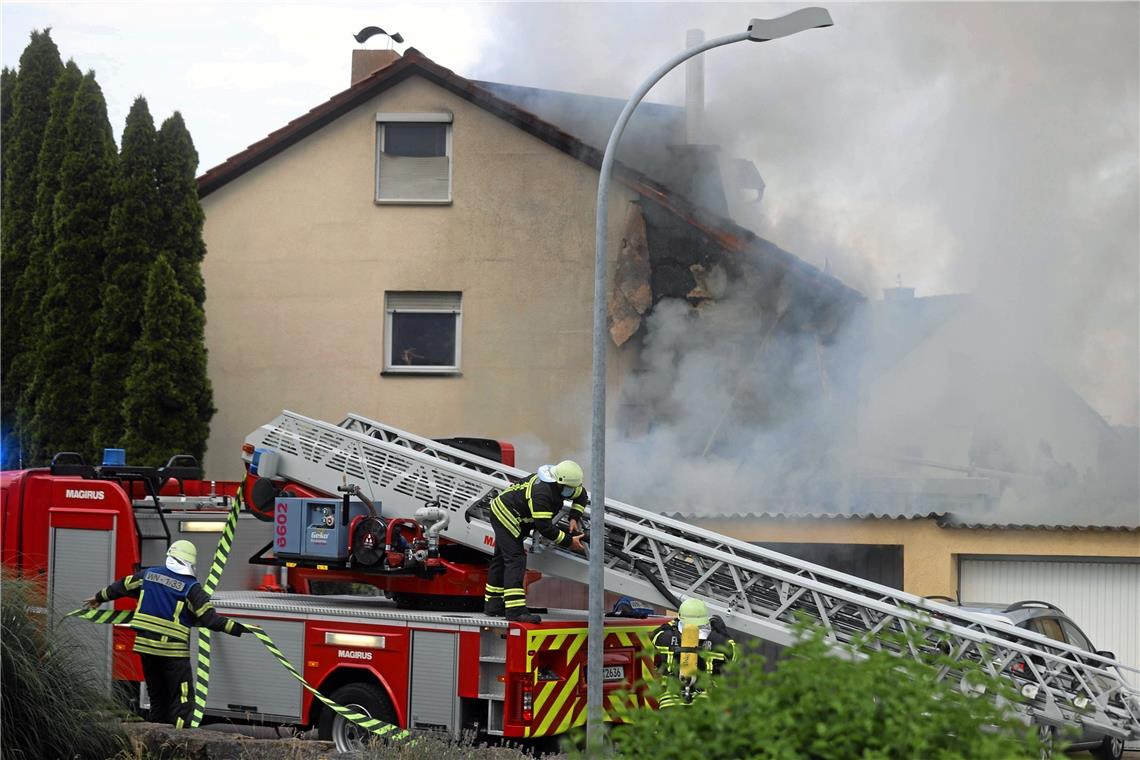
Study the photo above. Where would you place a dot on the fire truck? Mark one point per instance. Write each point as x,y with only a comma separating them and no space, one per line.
406,644
363,502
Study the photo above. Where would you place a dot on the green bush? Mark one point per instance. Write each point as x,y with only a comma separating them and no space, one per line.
817,705
52,706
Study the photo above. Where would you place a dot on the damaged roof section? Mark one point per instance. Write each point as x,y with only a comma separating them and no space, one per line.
688,247
664,255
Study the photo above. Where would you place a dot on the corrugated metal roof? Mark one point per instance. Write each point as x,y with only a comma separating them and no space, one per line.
943,519
968,522
806,516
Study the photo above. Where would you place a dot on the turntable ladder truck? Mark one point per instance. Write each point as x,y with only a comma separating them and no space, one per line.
660,560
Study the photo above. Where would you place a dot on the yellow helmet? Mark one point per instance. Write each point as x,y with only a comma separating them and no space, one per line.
693,612
567,473
184,552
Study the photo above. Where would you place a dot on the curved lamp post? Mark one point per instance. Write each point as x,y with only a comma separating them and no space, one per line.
759,30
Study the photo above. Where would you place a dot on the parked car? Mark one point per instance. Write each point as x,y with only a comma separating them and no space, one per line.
1050,621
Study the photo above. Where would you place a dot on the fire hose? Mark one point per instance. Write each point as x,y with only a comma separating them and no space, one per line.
202,672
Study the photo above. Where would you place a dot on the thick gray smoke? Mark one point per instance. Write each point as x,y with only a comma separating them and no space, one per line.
982,149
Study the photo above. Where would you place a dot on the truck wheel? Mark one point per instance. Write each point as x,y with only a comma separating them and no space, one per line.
365,698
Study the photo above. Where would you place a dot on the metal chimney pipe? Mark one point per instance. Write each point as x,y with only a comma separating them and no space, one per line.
694,88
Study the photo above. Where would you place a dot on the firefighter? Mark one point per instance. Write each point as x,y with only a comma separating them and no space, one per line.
690,650
170,601
530,504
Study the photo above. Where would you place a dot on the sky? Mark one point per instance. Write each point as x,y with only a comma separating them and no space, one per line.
984,148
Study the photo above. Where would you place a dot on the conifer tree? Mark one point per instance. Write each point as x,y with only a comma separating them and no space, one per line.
34,280
168,402
61,381
182,215
40,65
131,249
7,82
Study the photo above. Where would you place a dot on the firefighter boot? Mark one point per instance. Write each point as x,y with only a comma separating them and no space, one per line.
522,615
494,607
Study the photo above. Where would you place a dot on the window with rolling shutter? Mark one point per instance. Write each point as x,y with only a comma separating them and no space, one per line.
413,158
422,331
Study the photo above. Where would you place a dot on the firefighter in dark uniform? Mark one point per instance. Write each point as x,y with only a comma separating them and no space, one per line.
690,650
530,504
170,601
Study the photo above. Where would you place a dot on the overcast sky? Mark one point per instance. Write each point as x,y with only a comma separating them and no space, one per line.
964,147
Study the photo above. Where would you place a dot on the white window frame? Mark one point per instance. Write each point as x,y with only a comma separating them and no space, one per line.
390,312
382,118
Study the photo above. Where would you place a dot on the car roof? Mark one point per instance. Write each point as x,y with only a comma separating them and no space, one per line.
1016,613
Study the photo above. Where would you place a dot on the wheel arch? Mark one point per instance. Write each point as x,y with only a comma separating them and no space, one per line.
344,675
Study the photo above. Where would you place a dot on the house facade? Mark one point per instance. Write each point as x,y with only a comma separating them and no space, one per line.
420,251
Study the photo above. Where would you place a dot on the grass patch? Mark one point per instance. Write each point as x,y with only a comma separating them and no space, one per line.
53,705
466,747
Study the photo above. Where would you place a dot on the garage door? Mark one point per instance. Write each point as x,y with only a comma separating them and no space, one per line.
1102,597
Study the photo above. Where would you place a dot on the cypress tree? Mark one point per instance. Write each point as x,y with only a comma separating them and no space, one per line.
40,65
7,82
168,403
9,451
182,215
34,280
61,381
131,241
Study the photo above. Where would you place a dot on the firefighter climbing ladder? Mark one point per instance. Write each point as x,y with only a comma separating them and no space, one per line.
652,557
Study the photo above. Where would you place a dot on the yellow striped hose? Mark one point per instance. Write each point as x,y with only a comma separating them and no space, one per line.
202,672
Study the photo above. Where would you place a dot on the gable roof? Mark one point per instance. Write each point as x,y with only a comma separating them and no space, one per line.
592,117
725,233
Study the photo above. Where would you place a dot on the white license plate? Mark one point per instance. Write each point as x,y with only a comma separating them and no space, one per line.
613,673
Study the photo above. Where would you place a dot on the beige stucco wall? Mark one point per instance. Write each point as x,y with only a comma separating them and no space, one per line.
930,553
299,257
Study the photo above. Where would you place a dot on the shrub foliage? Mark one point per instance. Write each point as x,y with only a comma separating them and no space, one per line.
817,705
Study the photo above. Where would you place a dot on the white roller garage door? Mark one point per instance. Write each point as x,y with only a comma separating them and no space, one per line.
1102,597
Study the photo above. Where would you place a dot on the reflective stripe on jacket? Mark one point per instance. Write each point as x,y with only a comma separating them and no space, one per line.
169,604
532,501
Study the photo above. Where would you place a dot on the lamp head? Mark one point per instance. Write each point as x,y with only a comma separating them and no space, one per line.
764,29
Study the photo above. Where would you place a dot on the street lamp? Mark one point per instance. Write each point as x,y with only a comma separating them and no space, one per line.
759,30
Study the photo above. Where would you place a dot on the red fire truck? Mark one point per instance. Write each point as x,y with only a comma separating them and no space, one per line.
378,611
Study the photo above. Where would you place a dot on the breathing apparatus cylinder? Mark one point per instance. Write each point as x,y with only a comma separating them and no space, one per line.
690,640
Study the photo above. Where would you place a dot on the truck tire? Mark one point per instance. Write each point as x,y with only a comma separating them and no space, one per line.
365,698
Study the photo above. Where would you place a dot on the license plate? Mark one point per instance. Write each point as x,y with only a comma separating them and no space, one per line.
613,673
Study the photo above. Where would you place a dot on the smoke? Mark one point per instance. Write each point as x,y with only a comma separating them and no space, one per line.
982,149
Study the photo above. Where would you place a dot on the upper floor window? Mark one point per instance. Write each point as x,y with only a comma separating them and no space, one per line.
422,331
413,158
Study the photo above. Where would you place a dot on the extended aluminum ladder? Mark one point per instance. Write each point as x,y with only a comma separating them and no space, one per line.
756,591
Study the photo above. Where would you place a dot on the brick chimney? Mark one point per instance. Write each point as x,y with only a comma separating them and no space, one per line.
365,62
